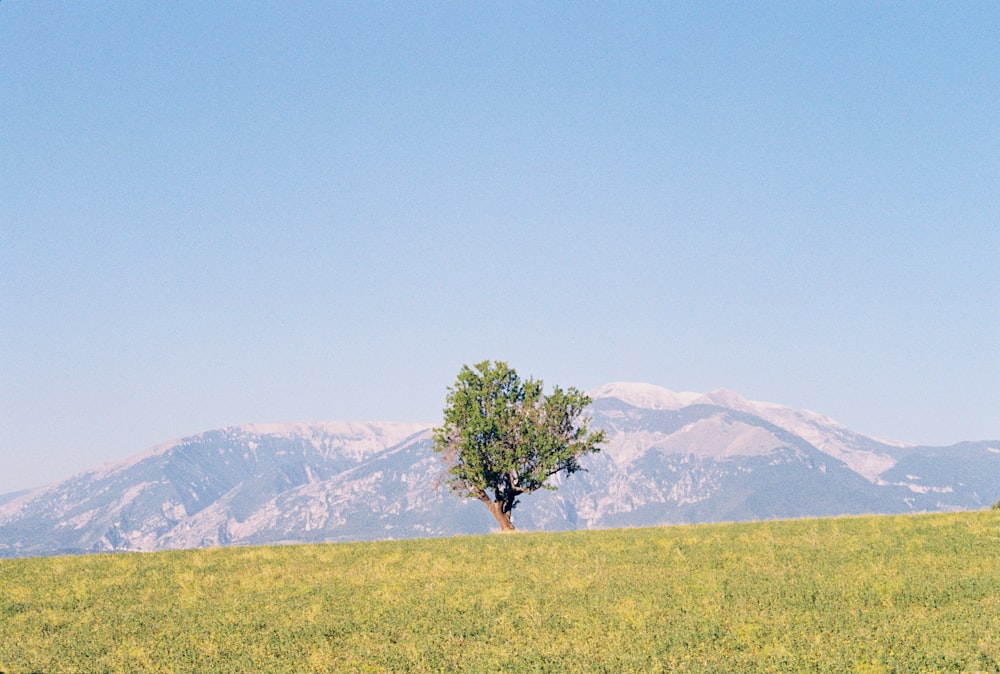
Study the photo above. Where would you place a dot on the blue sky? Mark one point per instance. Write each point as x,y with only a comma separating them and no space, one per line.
217,213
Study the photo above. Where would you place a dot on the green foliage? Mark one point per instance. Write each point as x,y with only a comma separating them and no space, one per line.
503,437
868,594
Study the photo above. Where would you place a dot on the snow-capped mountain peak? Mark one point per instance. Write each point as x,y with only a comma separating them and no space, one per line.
645,396
353,439
668,457
730,399
819,430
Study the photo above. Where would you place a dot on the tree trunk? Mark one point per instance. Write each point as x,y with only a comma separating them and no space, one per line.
503,518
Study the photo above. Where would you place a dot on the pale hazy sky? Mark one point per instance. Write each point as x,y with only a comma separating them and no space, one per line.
218,213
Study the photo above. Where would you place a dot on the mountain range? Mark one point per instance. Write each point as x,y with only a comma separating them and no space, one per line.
669,458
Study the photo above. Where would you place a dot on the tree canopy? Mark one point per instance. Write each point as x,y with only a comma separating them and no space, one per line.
503,437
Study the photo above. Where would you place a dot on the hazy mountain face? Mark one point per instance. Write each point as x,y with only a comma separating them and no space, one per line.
670,458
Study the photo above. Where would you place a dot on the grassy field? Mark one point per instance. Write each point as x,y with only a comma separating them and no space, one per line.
870,594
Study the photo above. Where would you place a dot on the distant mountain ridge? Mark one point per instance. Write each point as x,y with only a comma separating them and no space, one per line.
669,458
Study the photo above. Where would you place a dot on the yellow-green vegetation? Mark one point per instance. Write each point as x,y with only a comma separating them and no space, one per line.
867,594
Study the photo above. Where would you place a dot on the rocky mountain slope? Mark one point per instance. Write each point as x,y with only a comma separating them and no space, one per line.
670,458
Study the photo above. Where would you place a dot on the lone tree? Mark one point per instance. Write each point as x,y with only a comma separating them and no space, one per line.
504,438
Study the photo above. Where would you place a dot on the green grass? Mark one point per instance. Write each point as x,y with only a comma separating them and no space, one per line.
869,594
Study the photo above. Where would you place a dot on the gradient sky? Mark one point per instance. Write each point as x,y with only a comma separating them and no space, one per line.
218,213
